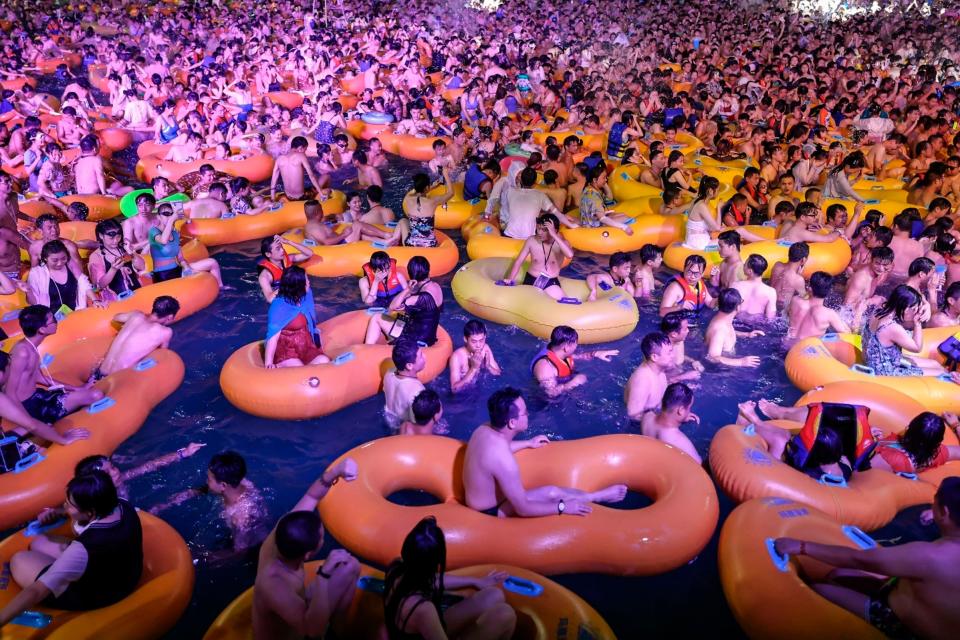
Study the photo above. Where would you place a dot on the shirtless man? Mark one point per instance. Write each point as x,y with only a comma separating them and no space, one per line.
553,366
731,269
474,357
664,425
88,172
136,230
49,230
282,606
11,241
643,279
188,151
806,228
922,276
323,234
903,590
491,475
378,213
367,174
787,277
546,250
721,337
862,285
616,275
644,389
687,291
139,336
427,411
214,205
949,313
837,219
26,371
759,298
677,328
291,167
905,249
810,317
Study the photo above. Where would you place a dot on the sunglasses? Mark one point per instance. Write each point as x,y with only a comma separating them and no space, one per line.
112,234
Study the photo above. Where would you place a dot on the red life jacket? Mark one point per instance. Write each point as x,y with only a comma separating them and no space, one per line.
900,461
697,297
564,366
386,289
858,441
274,270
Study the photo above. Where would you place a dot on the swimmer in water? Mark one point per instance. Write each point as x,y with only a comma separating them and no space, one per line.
140,335
810,317
553,366
664,425
648,382
427,412
721,336
473,358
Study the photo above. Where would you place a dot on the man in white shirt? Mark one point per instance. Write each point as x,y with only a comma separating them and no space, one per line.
525,205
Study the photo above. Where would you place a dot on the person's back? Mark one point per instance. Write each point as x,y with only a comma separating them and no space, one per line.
905,250
140,335
484,451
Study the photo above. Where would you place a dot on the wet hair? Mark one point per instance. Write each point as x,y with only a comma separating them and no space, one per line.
798,251
920,265
298,533
821,283
94,493
502,406
948,496
953,291
528,177
90,464
939,203
827,449
298,143
649,253
672,322
922,438
676,394
881,254
418,268
80,210
653,343
374,193
265,245
426,405
228,467
146,197
52,248
834,210
562,334
707,184
729,237
728,300
618,258
33,318
474,328
693,260
419,571
757,264
165,306
379,260
899,300
44,218
421,182
805,209
404,353
293,284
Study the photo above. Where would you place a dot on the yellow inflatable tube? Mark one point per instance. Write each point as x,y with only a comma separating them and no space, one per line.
889,208
648,228
612,316
769,594
625,184
348,259
837,358
545,610
454,213
148,613
832,257
591,141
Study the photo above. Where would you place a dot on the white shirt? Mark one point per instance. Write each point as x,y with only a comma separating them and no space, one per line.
525,206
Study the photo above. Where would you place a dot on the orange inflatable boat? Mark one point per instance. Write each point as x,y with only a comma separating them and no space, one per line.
130,396
256,169
545,610
101,207
648,541
297,393
149,612
769,594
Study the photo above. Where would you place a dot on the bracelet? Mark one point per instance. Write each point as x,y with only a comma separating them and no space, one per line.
324,575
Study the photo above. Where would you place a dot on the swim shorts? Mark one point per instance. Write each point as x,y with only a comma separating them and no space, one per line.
550,282
46,405
167,274
880,615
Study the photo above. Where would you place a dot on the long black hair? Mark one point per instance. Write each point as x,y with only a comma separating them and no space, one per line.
418,571
922,438
293,285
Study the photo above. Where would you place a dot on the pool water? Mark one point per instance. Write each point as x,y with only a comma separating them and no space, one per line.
283,458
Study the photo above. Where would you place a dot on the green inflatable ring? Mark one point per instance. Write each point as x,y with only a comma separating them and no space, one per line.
513,149
128,203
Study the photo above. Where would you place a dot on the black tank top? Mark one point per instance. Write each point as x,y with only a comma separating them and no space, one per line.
63,294
422,318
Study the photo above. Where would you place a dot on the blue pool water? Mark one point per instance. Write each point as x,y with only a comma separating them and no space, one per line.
283,458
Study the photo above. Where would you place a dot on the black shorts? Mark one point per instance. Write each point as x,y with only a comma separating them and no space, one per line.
168,274
46,405
530,280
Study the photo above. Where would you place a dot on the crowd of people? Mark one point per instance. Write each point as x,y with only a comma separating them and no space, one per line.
808,106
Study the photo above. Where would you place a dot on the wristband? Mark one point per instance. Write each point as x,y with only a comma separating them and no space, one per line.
320,573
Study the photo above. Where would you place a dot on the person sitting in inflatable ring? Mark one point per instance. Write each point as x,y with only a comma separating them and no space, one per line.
835,439
381,281
273,260
491,476
293,338
905,591
416,582
281,605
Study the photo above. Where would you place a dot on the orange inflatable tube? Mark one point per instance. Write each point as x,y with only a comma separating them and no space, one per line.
744,469
256,169
297,393
48,66
648,541
100,207
769,594
133,393
348,259
219,231
545,610
146,614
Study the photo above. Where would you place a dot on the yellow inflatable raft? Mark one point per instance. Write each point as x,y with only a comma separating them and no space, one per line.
348,259
296,393
769,594
814,362
455,212
545,610
647,227
612,316
148,613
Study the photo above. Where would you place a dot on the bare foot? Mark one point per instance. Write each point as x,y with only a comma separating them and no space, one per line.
748,413
613,493
771,409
